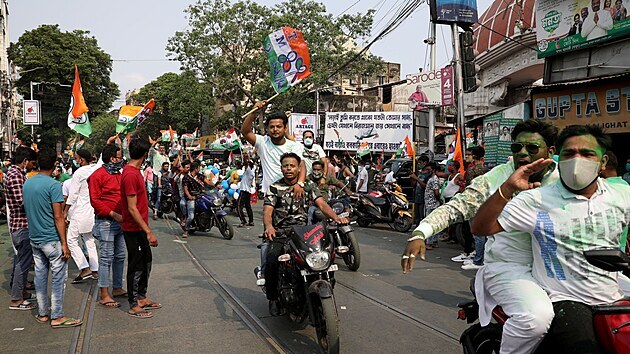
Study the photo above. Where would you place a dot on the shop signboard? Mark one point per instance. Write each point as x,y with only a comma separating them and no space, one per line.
454,11
299,122
567,25
32,113
383,131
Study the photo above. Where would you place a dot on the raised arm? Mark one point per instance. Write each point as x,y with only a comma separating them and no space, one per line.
246,128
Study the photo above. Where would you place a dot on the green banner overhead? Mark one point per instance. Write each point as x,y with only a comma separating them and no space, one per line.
567,25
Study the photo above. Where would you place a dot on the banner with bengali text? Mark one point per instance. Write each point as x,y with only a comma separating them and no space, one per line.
381,130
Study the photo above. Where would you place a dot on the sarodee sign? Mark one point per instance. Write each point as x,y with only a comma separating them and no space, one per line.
607,106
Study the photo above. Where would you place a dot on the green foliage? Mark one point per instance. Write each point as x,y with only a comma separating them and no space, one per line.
180,100
103,127
223,46
55,53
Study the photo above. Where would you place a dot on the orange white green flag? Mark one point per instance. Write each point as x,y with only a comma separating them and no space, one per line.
288,57
129,117
77,114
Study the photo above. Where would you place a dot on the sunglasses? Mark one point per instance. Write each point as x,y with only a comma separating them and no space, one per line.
531,148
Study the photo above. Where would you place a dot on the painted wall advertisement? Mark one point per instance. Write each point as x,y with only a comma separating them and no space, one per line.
381,130
299,122
497,138
605,105
457,11
566,25
432,88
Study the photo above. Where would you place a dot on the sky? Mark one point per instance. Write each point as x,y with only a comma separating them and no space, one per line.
135,32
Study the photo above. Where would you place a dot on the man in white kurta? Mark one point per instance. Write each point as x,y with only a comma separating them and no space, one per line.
597,23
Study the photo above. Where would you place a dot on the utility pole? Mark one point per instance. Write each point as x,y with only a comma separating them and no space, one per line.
432,110
32,126
459,87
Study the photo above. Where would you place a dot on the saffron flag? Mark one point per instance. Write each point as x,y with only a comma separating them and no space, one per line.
129,117
77,115
409,147
458,153
288,57
364,149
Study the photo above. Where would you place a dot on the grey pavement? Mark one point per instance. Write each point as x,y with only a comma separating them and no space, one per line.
196,318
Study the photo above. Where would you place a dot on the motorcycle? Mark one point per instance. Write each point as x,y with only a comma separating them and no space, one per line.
611,322
389,206
167,204
343,235
208,213
306,281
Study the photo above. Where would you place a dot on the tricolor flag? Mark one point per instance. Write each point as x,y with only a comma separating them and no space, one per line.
364,149
77,114
129,117
229,141
288,58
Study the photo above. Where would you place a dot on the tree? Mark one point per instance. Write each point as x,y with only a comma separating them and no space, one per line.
103,127
223,46
50,55
180,101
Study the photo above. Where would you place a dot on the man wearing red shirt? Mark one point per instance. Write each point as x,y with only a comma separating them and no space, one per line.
104,186
135,225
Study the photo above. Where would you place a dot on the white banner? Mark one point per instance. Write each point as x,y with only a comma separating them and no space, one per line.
299,122
382,130
32,113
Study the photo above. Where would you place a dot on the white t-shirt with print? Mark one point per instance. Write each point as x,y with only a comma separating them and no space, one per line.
269,154
563,225
363,176
311,155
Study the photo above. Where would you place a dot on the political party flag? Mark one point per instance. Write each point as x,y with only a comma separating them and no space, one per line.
169,135
129,117
229,141
364,149
409,147
288,57
339,140
77,114
230,158
458,154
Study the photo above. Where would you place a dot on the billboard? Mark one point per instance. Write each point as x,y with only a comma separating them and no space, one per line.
605,105
32,114
383,131
454,11
566,25
299,122
427,89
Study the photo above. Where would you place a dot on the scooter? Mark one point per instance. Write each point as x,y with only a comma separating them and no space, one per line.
208,213
389,206
612,322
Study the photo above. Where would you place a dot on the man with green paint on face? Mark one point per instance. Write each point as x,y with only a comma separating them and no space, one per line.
579,212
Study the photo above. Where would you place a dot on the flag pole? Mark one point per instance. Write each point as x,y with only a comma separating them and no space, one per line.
255,109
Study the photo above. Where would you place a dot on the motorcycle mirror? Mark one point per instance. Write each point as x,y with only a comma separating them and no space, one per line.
608,259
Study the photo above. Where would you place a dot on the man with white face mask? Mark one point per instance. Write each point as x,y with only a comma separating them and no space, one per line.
312,152
579,212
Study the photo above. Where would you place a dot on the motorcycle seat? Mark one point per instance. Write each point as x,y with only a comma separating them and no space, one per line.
377,201
499,315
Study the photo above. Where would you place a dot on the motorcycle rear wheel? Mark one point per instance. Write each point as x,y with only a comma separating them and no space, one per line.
352,258
227,231
328,330
402,223
488,339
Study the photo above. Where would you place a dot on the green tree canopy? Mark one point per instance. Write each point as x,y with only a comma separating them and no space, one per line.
180,100
223,46
51,55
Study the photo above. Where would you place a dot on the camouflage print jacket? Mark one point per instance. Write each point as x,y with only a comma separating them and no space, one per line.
288,211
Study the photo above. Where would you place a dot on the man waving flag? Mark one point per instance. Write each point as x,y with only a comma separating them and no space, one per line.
77,115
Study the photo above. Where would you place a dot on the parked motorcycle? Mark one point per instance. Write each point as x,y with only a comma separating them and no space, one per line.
389,206
612,322
306,280
208,213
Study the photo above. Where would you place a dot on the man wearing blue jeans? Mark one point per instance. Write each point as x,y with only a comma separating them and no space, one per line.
192,188
104,186
43,203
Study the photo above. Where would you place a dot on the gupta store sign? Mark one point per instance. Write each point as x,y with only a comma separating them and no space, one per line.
607,106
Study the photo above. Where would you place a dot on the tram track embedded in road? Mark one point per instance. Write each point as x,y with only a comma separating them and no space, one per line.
249,318
80,343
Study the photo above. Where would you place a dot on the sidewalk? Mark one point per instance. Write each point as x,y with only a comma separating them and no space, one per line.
194,318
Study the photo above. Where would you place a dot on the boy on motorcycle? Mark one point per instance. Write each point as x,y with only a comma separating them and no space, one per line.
579,212
282,211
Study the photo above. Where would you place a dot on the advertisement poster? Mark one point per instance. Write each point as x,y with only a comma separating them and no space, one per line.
497,138
383,131
31,113
299,122
606,105
458,11
447,86
566,25
425,89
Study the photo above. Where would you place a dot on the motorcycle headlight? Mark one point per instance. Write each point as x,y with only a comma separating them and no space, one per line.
216,202
338,208
318,260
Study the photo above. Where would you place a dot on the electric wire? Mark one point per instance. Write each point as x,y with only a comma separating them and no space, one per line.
349,7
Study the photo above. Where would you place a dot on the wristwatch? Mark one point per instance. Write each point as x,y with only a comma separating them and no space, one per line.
301,184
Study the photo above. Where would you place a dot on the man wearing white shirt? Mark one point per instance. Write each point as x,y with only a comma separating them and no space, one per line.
312,152
80,214
389,178
362,179
577,213
598,22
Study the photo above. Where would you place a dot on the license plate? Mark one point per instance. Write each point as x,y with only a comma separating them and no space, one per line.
332,268
345,214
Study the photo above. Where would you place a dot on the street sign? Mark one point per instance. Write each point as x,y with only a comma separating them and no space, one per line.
32,114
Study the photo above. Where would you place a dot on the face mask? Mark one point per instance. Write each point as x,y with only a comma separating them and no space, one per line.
113,167
367,167
386,170
628,167
308,142
577,173
75,163
317,175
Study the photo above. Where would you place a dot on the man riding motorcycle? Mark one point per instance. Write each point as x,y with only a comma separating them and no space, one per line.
282,211
323,183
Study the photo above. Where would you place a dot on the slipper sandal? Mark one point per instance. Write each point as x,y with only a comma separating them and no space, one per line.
110,304
140,314
152,306
39,319
122,295
65,323
31,296
81,278
24,306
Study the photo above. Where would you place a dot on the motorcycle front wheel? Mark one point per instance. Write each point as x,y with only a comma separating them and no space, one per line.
402,223
363,222
328,328
226,229
352,258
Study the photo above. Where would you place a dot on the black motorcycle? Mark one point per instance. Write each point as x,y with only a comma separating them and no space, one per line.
167,203
389,206
344,235
208,213
306,280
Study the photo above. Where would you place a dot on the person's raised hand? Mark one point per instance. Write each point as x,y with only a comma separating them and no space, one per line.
412,250
519,180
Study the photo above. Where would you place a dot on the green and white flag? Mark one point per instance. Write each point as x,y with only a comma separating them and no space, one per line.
288,57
